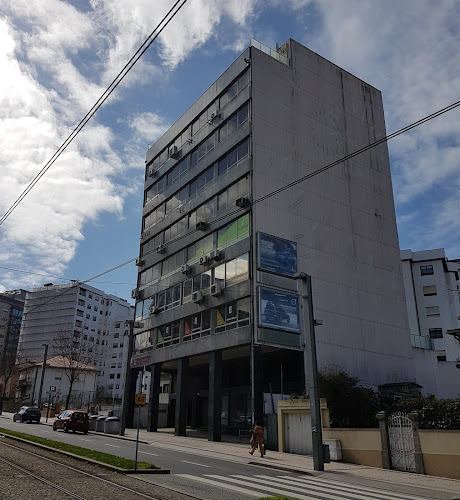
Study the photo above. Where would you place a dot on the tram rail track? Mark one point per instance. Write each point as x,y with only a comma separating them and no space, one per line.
124,491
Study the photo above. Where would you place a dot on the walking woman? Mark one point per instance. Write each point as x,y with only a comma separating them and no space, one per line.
257,439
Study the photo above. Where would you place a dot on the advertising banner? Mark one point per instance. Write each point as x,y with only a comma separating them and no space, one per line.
277,255
279,309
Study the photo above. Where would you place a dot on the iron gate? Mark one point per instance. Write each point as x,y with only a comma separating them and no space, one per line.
401,436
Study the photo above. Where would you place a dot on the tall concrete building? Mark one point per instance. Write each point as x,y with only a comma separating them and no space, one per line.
432,289
59,315
217,303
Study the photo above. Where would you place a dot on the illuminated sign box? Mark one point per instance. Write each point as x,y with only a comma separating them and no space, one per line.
276,255
279,309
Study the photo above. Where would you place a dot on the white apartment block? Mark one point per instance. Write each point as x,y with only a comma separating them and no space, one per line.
432,290
83,314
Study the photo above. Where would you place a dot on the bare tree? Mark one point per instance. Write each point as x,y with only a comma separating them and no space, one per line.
76,354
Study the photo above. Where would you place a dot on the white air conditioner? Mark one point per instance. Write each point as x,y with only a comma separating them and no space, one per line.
204,260
172,153
216,289
184,269
152,172
135,293
215,255
197,296
160,249
153,309
139,262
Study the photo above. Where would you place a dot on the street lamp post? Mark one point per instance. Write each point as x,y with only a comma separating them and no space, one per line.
45,355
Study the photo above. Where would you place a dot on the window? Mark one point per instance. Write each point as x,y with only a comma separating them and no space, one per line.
78,323
90,295
117,325
115,345
432,311
426,270
79,313
102,302
94,318
441,357
429,290
82,292
88,316
96,298
233,232
168,334
81,302
435,333
116,335
96,308
197,325
233,315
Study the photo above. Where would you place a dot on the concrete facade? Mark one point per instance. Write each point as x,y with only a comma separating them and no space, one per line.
431,284
270,119
85,315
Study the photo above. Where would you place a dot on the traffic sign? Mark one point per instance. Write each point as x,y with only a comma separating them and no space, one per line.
53,388
140,399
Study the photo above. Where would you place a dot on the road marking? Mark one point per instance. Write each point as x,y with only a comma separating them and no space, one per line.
147,453
82,439
48,432
194,463
220,485
112,445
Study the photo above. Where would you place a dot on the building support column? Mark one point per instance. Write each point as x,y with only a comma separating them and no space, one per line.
154,400
180,424
215,396
258,384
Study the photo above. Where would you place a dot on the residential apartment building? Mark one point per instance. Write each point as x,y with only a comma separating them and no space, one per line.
83,318
217,305
432,284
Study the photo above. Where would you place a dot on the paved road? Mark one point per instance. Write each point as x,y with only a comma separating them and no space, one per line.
227,478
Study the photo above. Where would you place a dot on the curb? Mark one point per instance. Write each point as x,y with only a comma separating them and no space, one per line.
89,460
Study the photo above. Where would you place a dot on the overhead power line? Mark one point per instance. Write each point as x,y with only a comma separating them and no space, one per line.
117,80
298,181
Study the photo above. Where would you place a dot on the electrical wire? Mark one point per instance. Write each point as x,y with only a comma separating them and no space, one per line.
117,80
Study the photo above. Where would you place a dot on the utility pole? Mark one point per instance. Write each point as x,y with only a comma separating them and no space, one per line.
311,368
43,376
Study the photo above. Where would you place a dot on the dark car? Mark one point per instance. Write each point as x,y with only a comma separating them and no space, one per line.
27,414
72,420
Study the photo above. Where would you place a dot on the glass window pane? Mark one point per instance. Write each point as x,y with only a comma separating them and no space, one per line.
242,266
232,124
201,150
230,272
222,167
196,283
161,299
139,310
196,322
243,115
193,158
220,319
223,133
232,193
206,281
243,80
147,303
206,320
222,200
209,174
192,220
232,91
232,157
188,326
219,274
243,149
200,181
243,311
243,227
208,244
210,143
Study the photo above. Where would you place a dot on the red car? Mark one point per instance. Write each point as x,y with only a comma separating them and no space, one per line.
72,420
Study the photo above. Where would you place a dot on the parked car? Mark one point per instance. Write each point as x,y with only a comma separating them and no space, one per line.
72,420
27,414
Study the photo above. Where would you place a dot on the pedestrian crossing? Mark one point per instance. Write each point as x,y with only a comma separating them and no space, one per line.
299,487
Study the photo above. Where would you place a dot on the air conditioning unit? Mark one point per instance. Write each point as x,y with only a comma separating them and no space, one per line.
215,115
201,226
139,262
160,249
184,269
215,255
197,296
152,172
204,260
172,153
153,309
216,289
242,202
135,293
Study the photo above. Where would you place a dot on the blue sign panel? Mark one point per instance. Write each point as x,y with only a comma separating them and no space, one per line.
277,255
279,309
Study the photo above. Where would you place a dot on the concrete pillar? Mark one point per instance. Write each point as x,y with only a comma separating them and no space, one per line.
419,466
258,375
215,396
385,439
154,399
180,424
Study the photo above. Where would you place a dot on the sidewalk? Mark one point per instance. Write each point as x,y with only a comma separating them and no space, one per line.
238,451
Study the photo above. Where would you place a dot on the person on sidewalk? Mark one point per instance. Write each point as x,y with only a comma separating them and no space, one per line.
257,439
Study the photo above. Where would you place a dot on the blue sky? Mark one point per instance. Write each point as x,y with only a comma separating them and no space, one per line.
57,57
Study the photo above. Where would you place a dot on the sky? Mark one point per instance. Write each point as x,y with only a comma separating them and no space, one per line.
57,57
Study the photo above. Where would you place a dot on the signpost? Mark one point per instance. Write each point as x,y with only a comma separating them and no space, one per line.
140,401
